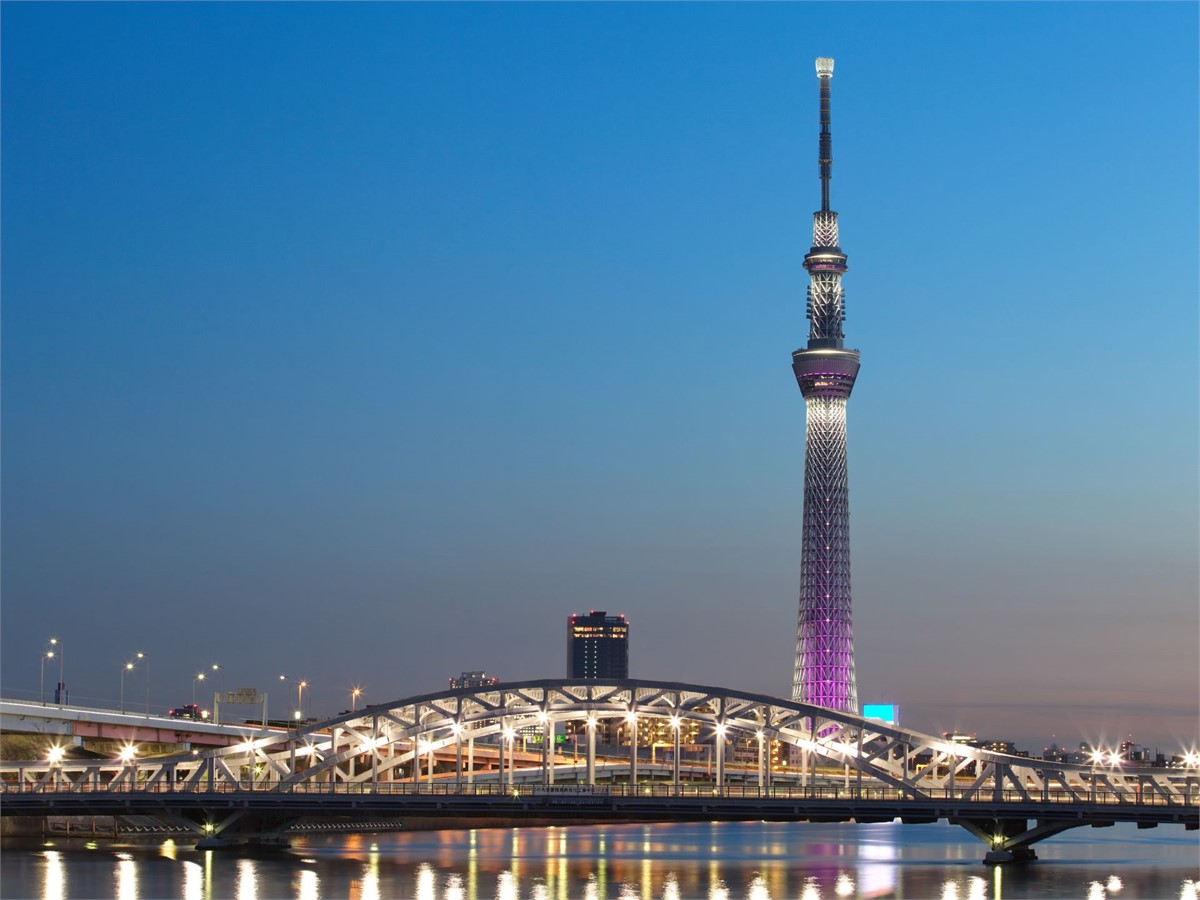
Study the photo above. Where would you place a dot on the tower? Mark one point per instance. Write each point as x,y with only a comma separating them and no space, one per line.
825,370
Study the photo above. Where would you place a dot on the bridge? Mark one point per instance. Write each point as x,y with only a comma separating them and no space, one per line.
456,753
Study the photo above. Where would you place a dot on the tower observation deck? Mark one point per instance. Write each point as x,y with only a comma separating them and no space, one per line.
825,371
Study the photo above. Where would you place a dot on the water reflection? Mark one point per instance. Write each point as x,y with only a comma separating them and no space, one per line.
193,881
370,875
753,861
247,880
877,862
308,886
56,876
426,884
506,887
127,877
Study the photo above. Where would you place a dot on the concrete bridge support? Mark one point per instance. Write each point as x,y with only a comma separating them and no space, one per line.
1011,840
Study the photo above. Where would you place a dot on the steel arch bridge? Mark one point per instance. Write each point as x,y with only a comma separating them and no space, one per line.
457,751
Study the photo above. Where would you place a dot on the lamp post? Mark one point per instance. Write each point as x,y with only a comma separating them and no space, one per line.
300,686
355,693
62,655
128,667
142,655
46,654
198,677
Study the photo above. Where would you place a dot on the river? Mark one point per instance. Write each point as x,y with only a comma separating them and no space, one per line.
715,861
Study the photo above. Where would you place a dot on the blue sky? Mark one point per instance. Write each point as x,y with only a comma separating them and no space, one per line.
364,343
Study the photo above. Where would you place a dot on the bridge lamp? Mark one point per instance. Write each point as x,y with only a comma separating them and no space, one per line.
721,729
1114,758
675,722
300,686
591,721
543,717
509,734
49,654
455,729
54,755
142,655
198,677
128,667
1191,758
128,752
355,693
1097,757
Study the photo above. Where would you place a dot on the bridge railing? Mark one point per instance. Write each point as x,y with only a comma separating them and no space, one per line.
817,792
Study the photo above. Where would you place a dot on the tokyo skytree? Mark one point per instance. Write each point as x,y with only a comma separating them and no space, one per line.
825,370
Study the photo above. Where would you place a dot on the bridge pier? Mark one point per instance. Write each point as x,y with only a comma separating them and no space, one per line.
1012,840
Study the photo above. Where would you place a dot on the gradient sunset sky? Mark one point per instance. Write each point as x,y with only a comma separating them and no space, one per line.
365,343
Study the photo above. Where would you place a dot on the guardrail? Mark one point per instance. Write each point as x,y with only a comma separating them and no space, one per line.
868,793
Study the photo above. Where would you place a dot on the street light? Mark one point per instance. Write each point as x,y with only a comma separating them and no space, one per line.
300,686
128,667
355,693
198,677
62,685
142,655
46,654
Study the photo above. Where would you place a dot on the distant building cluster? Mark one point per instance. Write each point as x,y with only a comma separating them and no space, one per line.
473,680
1125,753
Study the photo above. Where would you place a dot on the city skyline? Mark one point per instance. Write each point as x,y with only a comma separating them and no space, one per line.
364,344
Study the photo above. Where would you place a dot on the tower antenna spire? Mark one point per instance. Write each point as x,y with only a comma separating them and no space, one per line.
825,152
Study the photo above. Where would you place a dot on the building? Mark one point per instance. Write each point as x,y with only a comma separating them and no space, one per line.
597,646
826,371
472,680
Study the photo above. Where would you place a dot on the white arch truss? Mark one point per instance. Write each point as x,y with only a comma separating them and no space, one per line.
466,737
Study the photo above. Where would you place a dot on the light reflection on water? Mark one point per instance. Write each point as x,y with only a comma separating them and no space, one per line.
127,877
193,881
247,882
730,861
56,876
308,885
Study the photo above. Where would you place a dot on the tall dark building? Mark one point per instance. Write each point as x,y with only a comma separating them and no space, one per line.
597,646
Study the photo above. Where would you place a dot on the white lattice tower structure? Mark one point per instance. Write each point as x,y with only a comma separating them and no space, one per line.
825,370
